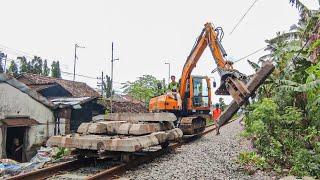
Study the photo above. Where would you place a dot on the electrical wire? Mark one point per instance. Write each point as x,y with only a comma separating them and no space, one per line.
243,17
254,52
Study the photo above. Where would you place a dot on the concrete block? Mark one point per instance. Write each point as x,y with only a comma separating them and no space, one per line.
161,136
97,128
112,126
148,140
174,134
141,129
91,142
108,143
83,128
166,126
124,129
139,117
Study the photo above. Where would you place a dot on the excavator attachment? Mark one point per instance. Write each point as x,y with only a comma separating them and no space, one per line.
234,83
257,79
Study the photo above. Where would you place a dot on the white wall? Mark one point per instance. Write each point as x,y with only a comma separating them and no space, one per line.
15,102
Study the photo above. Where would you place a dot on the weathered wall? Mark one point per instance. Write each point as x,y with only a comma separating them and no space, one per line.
15,102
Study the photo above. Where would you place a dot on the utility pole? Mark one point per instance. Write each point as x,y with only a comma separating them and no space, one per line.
75,59
112,60
169,72
102,83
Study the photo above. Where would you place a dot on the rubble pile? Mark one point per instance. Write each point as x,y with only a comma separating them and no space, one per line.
45,157
128,107
124,106
121,132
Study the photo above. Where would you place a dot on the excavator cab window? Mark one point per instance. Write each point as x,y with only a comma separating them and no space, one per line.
200,92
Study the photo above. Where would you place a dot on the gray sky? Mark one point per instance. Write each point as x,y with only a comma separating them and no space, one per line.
146,33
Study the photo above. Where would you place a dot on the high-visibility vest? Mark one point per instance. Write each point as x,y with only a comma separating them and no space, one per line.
216,113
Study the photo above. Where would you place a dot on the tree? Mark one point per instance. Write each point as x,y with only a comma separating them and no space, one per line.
36,64
45,70
24,67
13,68
284,127
55,69
2,55
107,86
144,88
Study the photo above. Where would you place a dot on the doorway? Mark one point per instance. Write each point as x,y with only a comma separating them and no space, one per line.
15,143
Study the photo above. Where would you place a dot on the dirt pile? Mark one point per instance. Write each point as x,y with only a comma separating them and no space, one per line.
123,106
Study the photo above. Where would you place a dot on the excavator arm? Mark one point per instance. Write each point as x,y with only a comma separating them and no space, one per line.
232,81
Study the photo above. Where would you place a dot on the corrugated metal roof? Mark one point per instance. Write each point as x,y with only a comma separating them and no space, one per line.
69,101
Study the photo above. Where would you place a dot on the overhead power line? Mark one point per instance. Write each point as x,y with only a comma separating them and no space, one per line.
254,52
85,76
240,20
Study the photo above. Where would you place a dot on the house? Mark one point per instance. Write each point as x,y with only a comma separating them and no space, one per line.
33,108
65,92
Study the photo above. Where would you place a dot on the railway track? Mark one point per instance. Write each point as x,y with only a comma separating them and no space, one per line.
110,172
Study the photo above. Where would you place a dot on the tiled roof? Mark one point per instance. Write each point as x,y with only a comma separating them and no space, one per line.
38,82
22,87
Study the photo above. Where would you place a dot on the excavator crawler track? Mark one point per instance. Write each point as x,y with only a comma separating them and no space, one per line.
192,125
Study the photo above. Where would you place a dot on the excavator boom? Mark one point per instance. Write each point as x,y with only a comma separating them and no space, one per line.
195,100
232,81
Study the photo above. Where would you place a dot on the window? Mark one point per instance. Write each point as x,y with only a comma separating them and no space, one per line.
200,92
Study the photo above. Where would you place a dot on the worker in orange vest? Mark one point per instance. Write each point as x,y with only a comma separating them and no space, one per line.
216,114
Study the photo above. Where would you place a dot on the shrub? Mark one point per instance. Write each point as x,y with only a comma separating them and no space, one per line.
282,138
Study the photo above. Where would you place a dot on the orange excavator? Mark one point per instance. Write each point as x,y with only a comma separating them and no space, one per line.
191,104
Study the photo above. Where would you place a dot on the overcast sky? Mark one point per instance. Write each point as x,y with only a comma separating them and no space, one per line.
146,33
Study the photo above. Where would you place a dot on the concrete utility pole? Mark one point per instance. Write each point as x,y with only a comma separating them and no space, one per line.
112,60
102,83
75,59
169,72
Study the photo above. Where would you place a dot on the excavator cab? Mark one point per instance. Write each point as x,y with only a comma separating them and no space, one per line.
200,96
197,98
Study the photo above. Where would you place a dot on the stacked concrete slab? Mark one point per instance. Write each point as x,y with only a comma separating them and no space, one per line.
127,132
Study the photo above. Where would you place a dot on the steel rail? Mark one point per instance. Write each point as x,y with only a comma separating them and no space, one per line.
52,170
109,173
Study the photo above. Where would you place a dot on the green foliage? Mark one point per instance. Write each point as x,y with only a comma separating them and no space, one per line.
144,88
107,86
45,69
2,56
36,65
306,162
254,65
252,161
61,152
13,68
55,69
283,137
24,66
283,123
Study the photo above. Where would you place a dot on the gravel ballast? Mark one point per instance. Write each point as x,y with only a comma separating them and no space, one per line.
210,157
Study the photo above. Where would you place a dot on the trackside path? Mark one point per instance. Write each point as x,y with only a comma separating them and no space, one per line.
210,157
